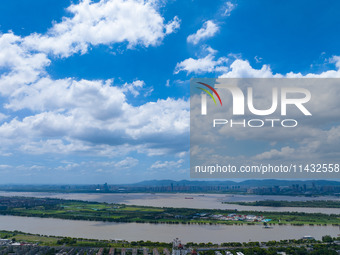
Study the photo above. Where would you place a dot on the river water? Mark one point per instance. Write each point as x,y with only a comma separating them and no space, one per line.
180,200
161,232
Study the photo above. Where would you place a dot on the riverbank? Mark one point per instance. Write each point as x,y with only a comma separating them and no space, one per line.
308,204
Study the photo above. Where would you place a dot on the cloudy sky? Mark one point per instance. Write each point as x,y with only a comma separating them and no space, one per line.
98,91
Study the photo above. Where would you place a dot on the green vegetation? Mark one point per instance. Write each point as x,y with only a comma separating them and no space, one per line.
80,210
273,203
52,244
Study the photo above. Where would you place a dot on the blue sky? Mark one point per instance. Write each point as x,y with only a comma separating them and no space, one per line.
98,91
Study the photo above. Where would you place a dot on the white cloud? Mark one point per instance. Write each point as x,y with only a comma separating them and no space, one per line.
98,98
106,123
104,22
12,55
317,146
242,69
228,8
69,115
18,65
79,116
134,87
173,26
159,120
127,163
285,152
258,59
182,154
167,164
3,116
87,117
207,64
95,117
209,29
148,92
99,167
70,146
335,60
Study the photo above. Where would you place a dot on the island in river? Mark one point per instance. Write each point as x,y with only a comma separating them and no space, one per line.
95,211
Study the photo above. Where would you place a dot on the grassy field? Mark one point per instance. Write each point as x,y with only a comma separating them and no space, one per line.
45,240
29,238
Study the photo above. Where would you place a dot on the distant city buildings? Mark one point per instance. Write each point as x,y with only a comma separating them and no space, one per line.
10,246
179,249
260,187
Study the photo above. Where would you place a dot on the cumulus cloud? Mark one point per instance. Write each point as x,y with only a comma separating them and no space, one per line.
70,116
209,29
173,26
207,64
242,69
18,65
101,117
94,116
104,22
134,87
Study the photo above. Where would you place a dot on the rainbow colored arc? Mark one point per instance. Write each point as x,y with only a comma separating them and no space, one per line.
209,93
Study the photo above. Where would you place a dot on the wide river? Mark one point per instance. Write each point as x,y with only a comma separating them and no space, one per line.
161,232
199,201
165,232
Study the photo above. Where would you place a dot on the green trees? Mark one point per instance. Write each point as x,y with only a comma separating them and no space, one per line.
327,239
67,240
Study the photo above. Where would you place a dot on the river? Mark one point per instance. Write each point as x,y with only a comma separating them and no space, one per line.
161,232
